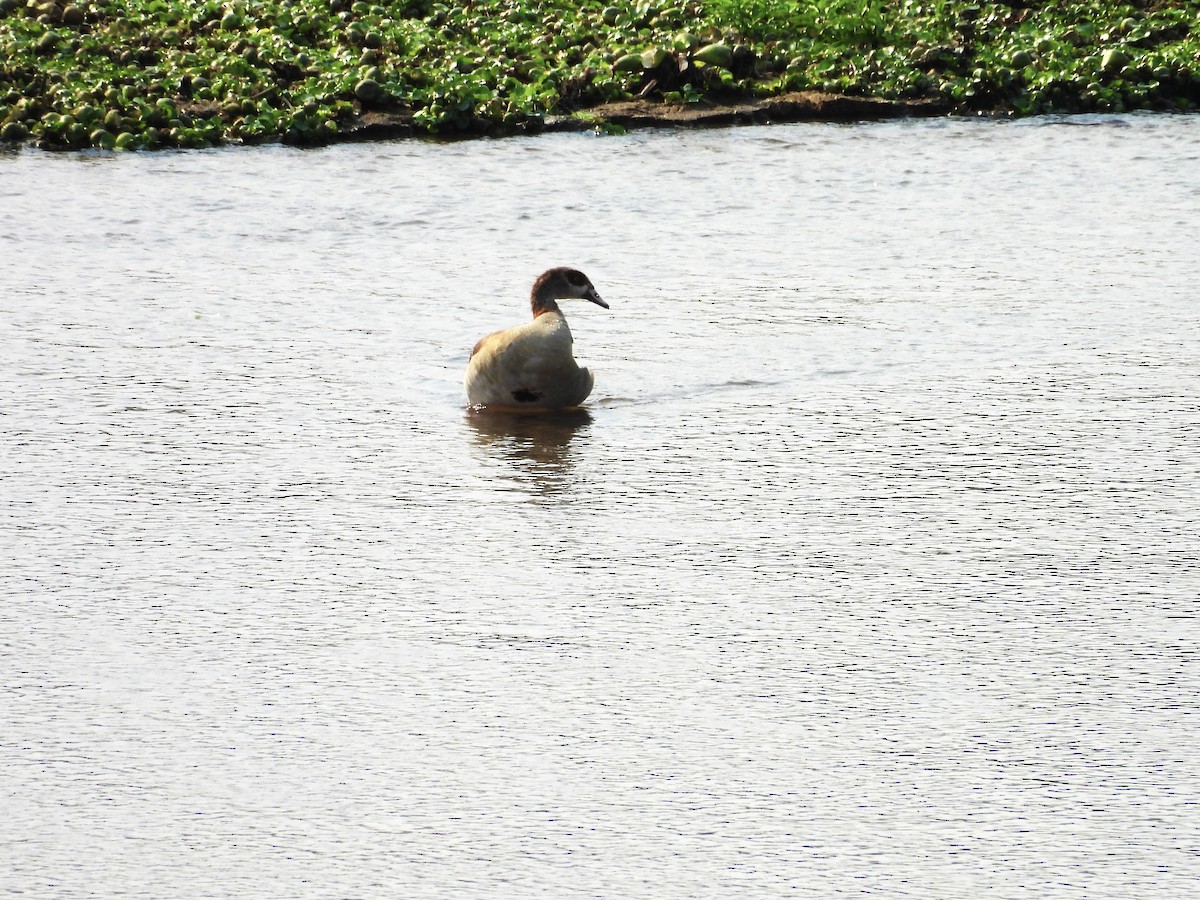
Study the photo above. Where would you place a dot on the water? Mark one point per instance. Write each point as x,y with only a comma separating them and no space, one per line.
871,567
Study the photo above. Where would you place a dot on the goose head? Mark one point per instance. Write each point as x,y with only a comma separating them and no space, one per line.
562,283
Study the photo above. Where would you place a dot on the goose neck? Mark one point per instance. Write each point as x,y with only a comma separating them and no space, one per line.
542,302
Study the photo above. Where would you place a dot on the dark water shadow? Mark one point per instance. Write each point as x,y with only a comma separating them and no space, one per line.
538,445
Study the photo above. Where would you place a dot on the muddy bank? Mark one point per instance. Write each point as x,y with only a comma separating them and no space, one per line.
797,106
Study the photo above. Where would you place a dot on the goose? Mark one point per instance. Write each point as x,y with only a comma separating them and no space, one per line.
530,366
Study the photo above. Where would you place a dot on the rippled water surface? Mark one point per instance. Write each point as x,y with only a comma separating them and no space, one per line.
871,567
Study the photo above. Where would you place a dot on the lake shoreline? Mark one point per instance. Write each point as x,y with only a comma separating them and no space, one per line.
146,74
642,113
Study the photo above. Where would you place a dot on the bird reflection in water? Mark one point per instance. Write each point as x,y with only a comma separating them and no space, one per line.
538,445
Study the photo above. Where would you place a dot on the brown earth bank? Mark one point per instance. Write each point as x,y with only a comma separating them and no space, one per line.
802,106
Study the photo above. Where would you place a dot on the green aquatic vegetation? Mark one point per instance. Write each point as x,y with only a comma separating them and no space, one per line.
129,74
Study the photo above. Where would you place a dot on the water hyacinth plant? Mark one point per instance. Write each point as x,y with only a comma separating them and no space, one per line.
129,74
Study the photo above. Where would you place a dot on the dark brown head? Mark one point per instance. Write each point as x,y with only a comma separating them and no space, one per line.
562,283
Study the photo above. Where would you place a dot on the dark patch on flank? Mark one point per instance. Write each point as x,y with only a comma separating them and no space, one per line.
524,395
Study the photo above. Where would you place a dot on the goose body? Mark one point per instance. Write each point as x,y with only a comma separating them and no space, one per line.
532,366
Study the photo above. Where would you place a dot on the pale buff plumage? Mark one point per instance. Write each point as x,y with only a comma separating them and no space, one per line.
532,366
